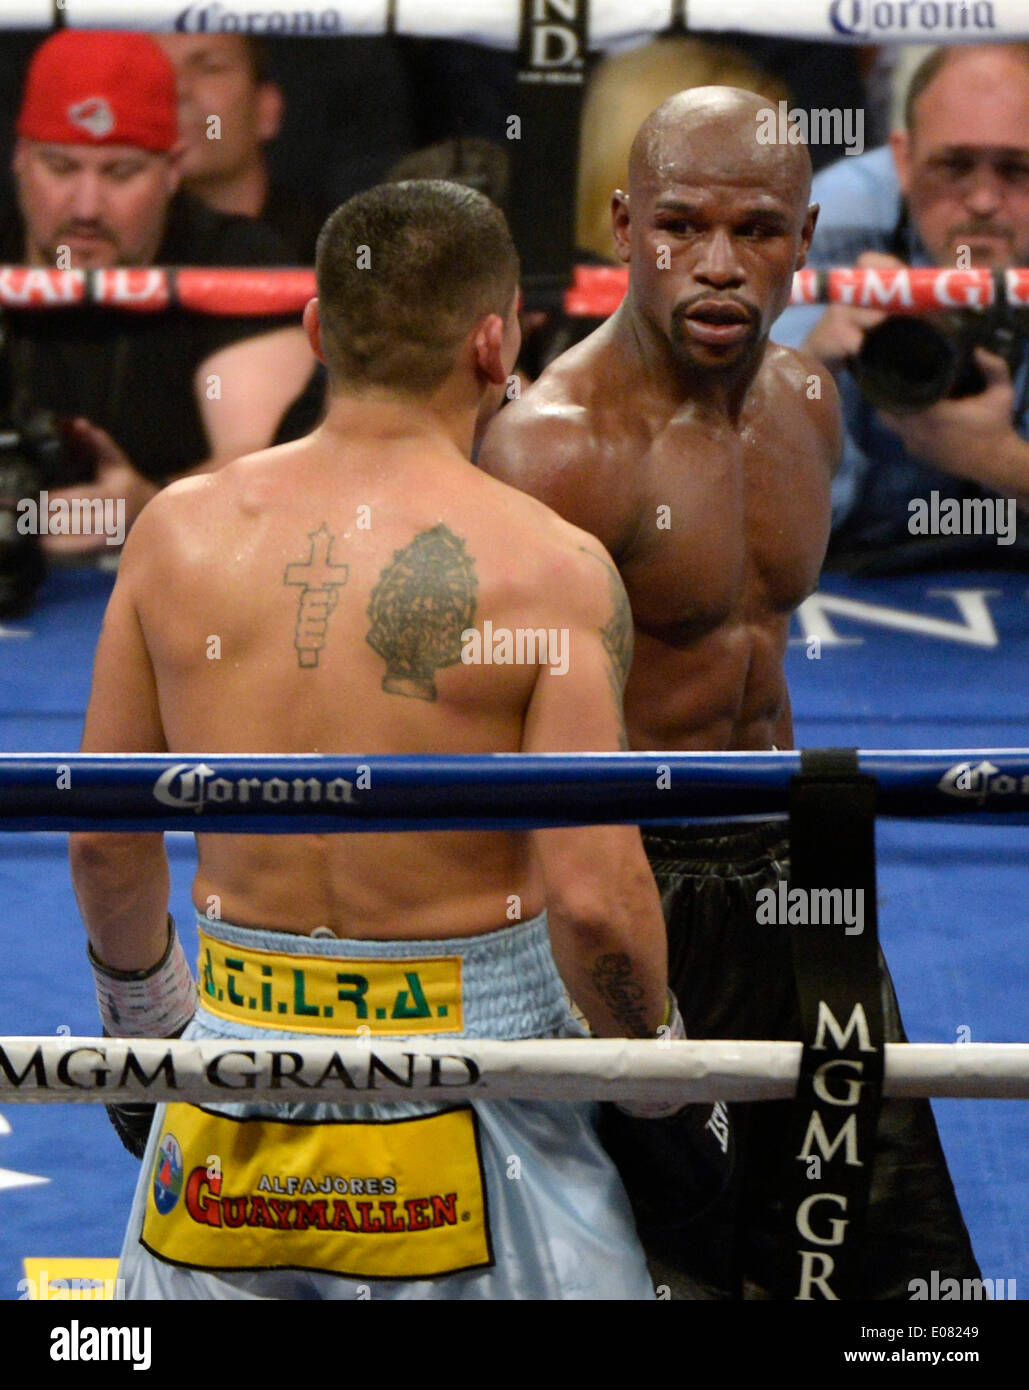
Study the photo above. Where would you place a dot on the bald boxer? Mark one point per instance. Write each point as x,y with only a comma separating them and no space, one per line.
347,577
701,455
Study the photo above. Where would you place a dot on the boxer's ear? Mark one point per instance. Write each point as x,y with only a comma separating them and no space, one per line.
488,348
620,223
313,328
807,233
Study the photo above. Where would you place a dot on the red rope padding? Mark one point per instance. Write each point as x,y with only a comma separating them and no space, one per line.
207,291
910,290
596,291
244,291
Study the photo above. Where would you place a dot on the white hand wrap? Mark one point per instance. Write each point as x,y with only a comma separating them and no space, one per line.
154,1003
672,1030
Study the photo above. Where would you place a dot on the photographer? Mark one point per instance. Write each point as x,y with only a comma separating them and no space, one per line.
141,397
952,189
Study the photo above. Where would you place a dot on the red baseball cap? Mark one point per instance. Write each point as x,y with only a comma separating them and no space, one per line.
99,87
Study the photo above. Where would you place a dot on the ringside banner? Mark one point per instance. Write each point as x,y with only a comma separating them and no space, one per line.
497,23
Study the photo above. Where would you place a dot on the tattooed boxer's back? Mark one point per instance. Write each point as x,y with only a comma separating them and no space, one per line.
366,590
313,598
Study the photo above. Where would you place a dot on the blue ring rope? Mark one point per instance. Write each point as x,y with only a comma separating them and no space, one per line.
512,791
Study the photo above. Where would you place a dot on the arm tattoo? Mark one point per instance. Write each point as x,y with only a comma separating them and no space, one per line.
318,577
617,634
424,600
613,978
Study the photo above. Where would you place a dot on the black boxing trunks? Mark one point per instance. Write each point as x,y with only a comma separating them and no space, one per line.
734,979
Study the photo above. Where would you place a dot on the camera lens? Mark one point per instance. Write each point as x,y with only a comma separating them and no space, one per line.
906,365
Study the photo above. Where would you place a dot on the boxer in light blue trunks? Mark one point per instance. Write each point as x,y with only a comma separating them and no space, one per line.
366,588
559,1225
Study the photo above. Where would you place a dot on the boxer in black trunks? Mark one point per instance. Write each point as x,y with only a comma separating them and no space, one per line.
701,454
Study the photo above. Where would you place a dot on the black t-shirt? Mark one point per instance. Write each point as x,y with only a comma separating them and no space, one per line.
132,373
296,219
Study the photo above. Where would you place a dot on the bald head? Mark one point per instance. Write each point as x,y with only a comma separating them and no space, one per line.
714,224
710,134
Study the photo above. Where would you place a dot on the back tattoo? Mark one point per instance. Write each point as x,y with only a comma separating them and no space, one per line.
424,600
318,577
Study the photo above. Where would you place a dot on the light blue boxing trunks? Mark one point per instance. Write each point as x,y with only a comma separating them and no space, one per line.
388,1200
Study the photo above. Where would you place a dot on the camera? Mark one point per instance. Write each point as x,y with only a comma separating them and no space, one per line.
37,452
21,559
907,364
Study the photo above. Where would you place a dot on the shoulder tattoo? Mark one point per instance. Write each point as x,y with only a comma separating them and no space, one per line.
424,600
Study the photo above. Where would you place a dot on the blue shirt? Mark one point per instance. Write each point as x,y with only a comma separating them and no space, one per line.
862,210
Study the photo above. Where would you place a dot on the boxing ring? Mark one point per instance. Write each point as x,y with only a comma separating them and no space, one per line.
319,795
953,931
935,652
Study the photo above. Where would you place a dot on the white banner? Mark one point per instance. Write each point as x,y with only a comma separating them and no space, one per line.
868,21
612,24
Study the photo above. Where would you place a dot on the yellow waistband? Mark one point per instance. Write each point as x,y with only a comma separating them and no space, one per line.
330,994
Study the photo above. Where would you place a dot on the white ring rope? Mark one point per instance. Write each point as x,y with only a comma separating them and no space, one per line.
38,1070
496,23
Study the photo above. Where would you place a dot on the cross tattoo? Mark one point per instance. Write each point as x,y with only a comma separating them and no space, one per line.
318,578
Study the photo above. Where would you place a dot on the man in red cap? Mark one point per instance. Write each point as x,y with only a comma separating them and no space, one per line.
112,98
149,397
